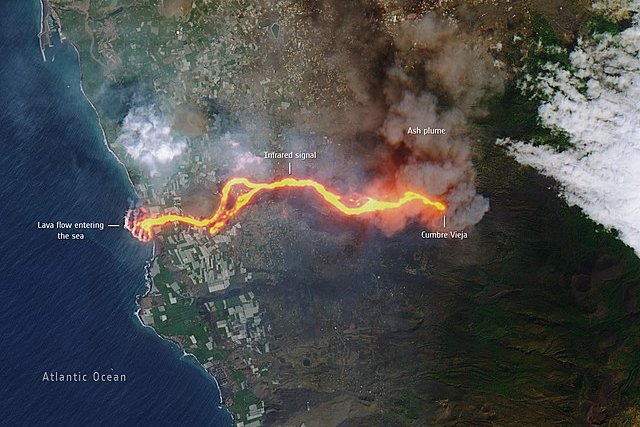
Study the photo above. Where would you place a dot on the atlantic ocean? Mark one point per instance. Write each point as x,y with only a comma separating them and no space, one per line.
69,306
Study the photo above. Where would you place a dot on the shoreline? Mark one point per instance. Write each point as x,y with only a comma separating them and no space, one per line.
148,282
104,135
44,5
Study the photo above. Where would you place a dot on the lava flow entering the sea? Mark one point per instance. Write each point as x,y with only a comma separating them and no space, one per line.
142,226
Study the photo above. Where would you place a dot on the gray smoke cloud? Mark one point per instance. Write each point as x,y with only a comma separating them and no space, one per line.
453,64
242,159
438,165
438,78
416,73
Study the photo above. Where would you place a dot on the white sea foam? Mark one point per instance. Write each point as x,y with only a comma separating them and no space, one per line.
148,278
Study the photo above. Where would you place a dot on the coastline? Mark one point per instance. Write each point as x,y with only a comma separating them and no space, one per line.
45,7
44,36
148,282
104,135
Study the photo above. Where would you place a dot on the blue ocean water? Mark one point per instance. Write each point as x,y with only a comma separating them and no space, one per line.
69,306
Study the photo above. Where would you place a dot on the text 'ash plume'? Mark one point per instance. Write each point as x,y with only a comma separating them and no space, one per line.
434,76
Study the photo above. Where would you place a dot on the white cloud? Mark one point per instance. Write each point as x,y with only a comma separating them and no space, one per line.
598,105
242,158
146,136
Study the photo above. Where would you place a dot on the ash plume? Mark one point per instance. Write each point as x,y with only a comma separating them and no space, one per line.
352,78
434,61
451,63
434,75
438,165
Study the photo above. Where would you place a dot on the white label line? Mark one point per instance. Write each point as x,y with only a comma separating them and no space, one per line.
445,221
113,225
289,168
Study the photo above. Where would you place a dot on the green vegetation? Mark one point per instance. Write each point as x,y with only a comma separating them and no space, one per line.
550,318
182,319
514,113
132,48
599,24
179,317
544,47
409,406
241,402
238,376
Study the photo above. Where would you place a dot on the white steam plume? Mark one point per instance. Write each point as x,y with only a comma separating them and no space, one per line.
243,160
147,137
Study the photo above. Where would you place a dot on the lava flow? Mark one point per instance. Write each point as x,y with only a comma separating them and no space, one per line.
143,226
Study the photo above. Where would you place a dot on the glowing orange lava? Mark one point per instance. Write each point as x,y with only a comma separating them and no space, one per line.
226,210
